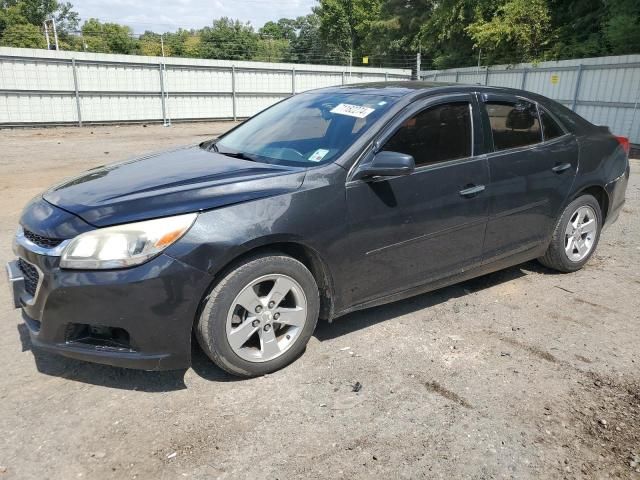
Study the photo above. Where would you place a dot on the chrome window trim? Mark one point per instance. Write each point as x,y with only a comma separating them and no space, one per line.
23,241
409,111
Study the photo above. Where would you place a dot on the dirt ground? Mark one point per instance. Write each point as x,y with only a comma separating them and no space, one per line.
520,374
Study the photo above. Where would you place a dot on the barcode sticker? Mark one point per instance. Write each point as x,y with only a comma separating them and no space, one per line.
352,110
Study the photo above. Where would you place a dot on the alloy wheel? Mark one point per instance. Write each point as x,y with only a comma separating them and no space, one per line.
580,234
266,318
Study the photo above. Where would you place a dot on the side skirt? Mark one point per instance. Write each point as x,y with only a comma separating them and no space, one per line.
479,271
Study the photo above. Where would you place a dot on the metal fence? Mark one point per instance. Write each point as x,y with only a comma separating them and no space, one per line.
39,87
605,90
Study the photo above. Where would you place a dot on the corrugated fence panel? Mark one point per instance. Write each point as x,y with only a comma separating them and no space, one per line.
32,75
118,78
198,80
41,86
249,105
120,108
505,79
199,107
37,108
605,91
308,81
472,78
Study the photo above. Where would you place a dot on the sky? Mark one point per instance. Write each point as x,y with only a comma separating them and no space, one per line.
169,15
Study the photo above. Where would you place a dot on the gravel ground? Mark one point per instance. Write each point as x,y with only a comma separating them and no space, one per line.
520,374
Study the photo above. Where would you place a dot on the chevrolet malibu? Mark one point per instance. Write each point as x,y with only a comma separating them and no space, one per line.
328,202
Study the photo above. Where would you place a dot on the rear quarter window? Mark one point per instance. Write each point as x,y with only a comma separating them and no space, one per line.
514,124
550,127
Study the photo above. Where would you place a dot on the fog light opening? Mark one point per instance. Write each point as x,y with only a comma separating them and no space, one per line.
100,337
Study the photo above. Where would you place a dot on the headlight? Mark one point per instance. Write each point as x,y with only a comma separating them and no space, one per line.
124,245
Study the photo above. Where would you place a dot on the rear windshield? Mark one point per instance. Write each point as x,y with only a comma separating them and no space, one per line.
305,130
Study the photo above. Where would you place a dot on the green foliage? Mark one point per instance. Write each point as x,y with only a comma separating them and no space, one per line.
21,21
270,50
622,29
228,39
108,37
520,29
23,35
345,26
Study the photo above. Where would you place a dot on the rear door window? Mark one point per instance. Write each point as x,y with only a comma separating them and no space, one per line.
434,135
550,127
514,124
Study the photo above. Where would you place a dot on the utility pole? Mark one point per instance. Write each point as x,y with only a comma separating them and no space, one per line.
419,61
55,33
164,91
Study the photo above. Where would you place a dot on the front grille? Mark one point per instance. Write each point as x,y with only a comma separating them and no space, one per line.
31,276
44,242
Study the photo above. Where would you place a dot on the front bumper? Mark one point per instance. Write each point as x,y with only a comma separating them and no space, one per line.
139,317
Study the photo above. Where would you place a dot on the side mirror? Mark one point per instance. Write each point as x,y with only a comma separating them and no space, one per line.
386,164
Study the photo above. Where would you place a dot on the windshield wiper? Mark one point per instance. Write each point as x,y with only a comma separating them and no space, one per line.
240,155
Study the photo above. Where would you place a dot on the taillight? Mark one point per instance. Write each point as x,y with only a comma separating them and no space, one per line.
624,142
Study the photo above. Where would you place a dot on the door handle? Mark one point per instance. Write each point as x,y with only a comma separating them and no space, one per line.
472,190
561,167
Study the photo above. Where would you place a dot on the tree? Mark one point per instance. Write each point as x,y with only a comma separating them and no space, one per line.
622,29
520,30
149,44
345,24
23,35
307,43
108,37
228,39
21,21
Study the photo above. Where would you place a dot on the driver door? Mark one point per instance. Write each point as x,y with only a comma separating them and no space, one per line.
418,228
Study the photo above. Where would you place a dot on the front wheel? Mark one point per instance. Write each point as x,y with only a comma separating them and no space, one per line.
576,235
260,316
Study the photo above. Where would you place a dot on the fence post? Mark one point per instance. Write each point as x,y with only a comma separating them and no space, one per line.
343,78
577,90
524,78
435,77
386,76
75,86
233,93
457,76
486,76
293,81
164,108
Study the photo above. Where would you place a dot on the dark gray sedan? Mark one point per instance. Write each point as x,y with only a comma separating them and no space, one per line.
328,202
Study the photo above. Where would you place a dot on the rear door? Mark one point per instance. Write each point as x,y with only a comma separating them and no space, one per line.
413,229
532,169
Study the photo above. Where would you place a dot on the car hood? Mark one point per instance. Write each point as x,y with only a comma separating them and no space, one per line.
179,181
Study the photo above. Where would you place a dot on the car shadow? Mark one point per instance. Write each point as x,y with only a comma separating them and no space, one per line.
371,316
167,381
121,378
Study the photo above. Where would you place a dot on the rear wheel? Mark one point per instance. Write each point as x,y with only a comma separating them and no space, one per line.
576,235
260,316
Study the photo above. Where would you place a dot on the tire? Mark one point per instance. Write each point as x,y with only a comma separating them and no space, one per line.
558,256
257,283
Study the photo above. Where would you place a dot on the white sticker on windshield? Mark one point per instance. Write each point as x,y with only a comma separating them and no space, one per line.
352,110
318,155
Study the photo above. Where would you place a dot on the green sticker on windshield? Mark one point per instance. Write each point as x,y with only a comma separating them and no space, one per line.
318,155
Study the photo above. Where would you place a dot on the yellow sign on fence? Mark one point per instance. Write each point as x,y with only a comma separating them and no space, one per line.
555,79
365,60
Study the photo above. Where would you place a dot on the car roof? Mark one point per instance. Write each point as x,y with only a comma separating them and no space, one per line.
402,88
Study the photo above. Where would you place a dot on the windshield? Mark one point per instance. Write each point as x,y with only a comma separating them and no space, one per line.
305,130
